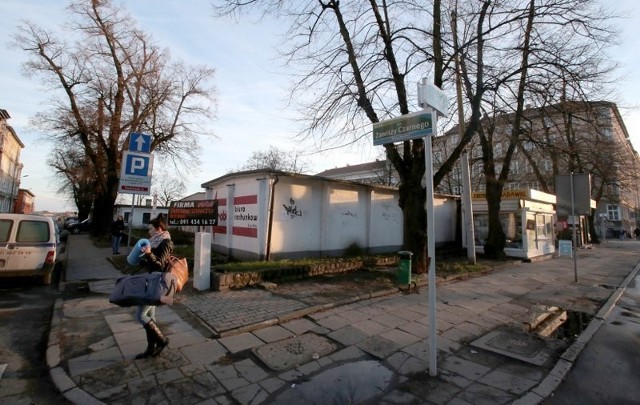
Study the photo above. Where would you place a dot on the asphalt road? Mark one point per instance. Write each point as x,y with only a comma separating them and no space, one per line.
25,318
608,370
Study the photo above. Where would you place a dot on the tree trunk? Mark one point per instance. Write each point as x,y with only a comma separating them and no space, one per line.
496,239
103,208
412,201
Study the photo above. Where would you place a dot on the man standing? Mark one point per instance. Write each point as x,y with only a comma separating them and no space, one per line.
117,229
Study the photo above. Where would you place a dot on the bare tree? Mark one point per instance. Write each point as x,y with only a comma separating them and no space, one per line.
276,159
525,49
356,60
168,188
113,81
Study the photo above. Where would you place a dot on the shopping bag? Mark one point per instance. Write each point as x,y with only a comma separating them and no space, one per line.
180,269
144,289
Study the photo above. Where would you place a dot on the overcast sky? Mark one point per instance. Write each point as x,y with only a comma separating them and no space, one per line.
251,86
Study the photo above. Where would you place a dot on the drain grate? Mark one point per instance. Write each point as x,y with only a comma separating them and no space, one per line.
293,351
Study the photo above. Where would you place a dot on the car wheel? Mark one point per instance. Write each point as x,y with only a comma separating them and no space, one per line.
76,231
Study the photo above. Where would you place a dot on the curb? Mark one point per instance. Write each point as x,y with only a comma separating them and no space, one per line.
59,376
536,395
568,358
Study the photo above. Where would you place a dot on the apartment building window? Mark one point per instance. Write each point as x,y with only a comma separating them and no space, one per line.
613,212
548,122
457,190
437,157
515,167
606,132
497,150
454,140
535,185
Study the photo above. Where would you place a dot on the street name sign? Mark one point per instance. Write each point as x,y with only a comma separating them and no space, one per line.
403,128
429,95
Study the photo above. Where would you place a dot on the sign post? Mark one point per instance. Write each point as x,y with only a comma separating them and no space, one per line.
432,98
413,126
135,171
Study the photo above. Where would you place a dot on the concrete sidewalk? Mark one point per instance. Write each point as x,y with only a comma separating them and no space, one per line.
254,346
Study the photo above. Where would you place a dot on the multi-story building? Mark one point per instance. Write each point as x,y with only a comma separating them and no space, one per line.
10,166
380,172
587,137
555,140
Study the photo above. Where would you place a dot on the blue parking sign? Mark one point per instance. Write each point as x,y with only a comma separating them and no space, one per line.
137,164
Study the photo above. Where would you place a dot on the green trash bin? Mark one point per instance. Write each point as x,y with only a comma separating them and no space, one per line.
404,267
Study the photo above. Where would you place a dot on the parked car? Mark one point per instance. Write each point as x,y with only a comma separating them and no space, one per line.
70,221
28,246
82,226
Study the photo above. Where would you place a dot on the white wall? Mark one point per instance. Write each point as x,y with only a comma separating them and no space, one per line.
139,212
311,216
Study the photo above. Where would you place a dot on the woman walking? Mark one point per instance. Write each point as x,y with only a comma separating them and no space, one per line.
154,258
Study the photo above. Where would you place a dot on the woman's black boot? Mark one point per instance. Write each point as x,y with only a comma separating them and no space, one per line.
160,340
151,343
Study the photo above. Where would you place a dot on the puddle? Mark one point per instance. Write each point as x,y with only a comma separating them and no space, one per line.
537,345
350,383
575,324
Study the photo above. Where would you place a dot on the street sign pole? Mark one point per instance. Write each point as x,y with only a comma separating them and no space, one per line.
432,99
431,249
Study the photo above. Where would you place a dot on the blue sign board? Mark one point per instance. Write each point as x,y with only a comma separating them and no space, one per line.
135,173
137,164
140,143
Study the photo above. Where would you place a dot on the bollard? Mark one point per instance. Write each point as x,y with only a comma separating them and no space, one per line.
404,267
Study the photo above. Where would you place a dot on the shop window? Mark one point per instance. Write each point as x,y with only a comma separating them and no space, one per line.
511,226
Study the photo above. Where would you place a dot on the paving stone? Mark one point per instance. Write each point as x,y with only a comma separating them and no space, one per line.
333,322
243,341
299,326
166,376
271,384
370,327
348,353
379,346
250,371
507,382
251,394
273,334
206,352
348,335
399,337
480,394
466,368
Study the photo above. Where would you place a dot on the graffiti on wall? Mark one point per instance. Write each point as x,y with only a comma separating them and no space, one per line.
291,210
390,212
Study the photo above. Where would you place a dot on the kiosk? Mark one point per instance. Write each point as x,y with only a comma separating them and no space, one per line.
527,218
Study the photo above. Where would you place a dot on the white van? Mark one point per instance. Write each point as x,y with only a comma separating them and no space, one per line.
28,246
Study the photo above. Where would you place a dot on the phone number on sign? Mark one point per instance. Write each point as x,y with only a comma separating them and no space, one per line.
192,221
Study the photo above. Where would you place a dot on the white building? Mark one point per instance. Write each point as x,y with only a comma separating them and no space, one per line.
265,214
